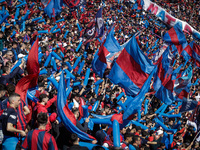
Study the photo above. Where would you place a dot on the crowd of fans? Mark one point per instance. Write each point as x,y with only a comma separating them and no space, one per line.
18,120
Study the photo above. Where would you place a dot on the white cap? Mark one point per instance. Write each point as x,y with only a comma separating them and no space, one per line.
21,56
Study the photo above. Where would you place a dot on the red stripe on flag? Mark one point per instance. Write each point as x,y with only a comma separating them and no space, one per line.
188,49
173,36
161,71
196,48
69,114
103,52
132,68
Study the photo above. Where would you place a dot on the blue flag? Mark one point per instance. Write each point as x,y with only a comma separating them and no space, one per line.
99,23
188,105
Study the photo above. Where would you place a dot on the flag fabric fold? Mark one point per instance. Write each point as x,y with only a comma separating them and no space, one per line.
67,117
30,80
131,69
136,102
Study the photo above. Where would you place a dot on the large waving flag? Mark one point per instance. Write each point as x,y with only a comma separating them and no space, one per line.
176,36
136,102
65,113
131,69
108,51
30,80
99,23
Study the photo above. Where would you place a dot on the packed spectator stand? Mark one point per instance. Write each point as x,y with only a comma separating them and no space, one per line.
55,95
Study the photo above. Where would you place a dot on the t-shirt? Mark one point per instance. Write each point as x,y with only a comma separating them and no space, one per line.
9,116
39,140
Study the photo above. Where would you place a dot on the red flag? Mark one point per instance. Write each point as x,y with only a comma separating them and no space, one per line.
82,102
24,84
29,81
32,62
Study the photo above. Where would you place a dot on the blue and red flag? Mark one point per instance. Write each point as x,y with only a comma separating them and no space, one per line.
67,117
176,36
165,92
108,51
187,52
196,52
136,102
131,69
163,66
184,83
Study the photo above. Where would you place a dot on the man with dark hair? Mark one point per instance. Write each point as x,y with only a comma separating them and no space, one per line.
78,124
42,106
75,140
8,76
128,138
9,123
136,142
39,138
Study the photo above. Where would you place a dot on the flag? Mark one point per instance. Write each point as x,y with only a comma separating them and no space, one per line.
90,32
140,4
24,84
184,84
188,105
160,52
136,102
196,52
163,66
67,117
108,51
50,5
29,81
80,108
165,92
176,36
99,23
32,62
183,92
131,69
188,50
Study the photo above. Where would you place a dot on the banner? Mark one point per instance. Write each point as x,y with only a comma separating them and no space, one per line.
169,19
